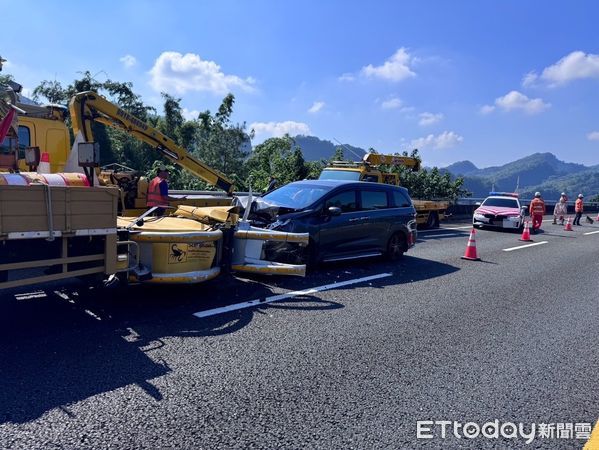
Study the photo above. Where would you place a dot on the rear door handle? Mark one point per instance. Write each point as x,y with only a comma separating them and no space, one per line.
355,219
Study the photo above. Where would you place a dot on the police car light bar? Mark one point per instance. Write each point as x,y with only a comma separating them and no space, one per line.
505,194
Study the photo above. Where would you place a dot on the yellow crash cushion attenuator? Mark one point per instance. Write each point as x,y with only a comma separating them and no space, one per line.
265,235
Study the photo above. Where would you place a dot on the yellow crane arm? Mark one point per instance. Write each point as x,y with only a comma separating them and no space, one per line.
376,159
87,107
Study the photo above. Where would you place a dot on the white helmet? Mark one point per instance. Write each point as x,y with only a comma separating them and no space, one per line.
563,194
580,196
537,194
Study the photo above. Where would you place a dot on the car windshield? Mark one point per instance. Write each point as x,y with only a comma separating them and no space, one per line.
296,196
501,202
339,175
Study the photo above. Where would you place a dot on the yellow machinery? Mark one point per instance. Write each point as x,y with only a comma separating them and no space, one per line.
170,236
429,212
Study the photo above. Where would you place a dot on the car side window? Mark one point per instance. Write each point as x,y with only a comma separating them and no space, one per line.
346,201
401,201
374,200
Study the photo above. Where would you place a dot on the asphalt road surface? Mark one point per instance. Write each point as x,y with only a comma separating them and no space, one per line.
512,338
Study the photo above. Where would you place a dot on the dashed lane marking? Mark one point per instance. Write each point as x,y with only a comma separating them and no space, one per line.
591,232
524,246
274,298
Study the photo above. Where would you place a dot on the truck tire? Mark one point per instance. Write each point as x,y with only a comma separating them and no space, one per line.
396,247
433,220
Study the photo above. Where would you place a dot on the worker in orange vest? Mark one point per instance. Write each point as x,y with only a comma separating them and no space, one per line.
578,209
158,192
537,210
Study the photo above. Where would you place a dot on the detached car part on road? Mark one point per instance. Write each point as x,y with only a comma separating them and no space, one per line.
500,210
344,219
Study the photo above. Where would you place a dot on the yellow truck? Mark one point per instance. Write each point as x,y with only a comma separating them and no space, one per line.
429,212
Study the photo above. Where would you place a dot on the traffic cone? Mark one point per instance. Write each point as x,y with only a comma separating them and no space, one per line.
568,226
470,253
44,166
526,233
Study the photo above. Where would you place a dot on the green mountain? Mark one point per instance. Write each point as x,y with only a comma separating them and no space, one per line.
538,172
315,149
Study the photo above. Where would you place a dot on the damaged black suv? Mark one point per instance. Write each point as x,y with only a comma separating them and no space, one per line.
345,219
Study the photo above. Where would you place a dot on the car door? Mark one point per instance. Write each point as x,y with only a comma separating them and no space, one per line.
375,221
340,236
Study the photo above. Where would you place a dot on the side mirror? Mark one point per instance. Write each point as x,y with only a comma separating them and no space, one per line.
88,154
32,156
334,211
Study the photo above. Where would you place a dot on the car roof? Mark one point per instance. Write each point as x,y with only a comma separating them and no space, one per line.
338,183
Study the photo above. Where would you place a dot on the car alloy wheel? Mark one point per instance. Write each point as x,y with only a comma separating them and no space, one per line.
395,247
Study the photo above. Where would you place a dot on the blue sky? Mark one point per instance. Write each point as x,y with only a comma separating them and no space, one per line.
488,81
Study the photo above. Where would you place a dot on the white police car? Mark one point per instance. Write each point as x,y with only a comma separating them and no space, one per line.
500,210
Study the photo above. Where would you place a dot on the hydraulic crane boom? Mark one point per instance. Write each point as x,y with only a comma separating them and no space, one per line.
86,107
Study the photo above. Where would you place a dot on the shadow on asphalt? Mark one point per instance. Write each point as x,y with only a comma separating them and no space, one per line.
61,349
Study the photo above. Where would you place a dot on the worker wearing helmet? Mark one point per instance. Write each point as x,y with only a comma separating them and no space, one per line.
578,209
561,209
537,210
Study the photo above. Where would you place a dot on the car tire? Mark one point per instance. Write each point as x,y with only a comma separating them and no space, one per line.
433,220
396,247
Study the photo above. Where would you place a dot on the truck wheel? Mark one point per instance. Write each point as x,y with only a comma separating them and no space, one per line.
433,220
396,247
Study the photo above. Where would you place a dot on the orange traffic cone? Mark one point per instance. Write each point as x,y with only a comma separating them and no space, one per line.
44,166
568,226
470,253
526,233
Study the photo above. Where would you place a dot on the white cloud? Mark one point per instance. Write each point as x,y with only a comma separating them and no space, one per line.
317,106
347,77
190,114
128,61
265,130
576,65
514,101
396,68
487,109
174,72
529,79
447,139
392,103
593,136
427,118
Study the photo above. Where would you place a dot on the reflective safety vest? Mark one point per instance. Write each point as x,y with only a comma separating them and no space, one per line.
537,206
578,205
155,198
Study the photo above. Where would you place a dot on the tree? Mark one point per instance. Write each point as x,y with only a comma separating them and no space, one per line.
428,184
222,145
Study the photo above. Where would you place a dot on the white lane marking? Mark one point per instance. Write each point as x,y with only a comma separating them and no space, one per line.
524,246
591,232
274,298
